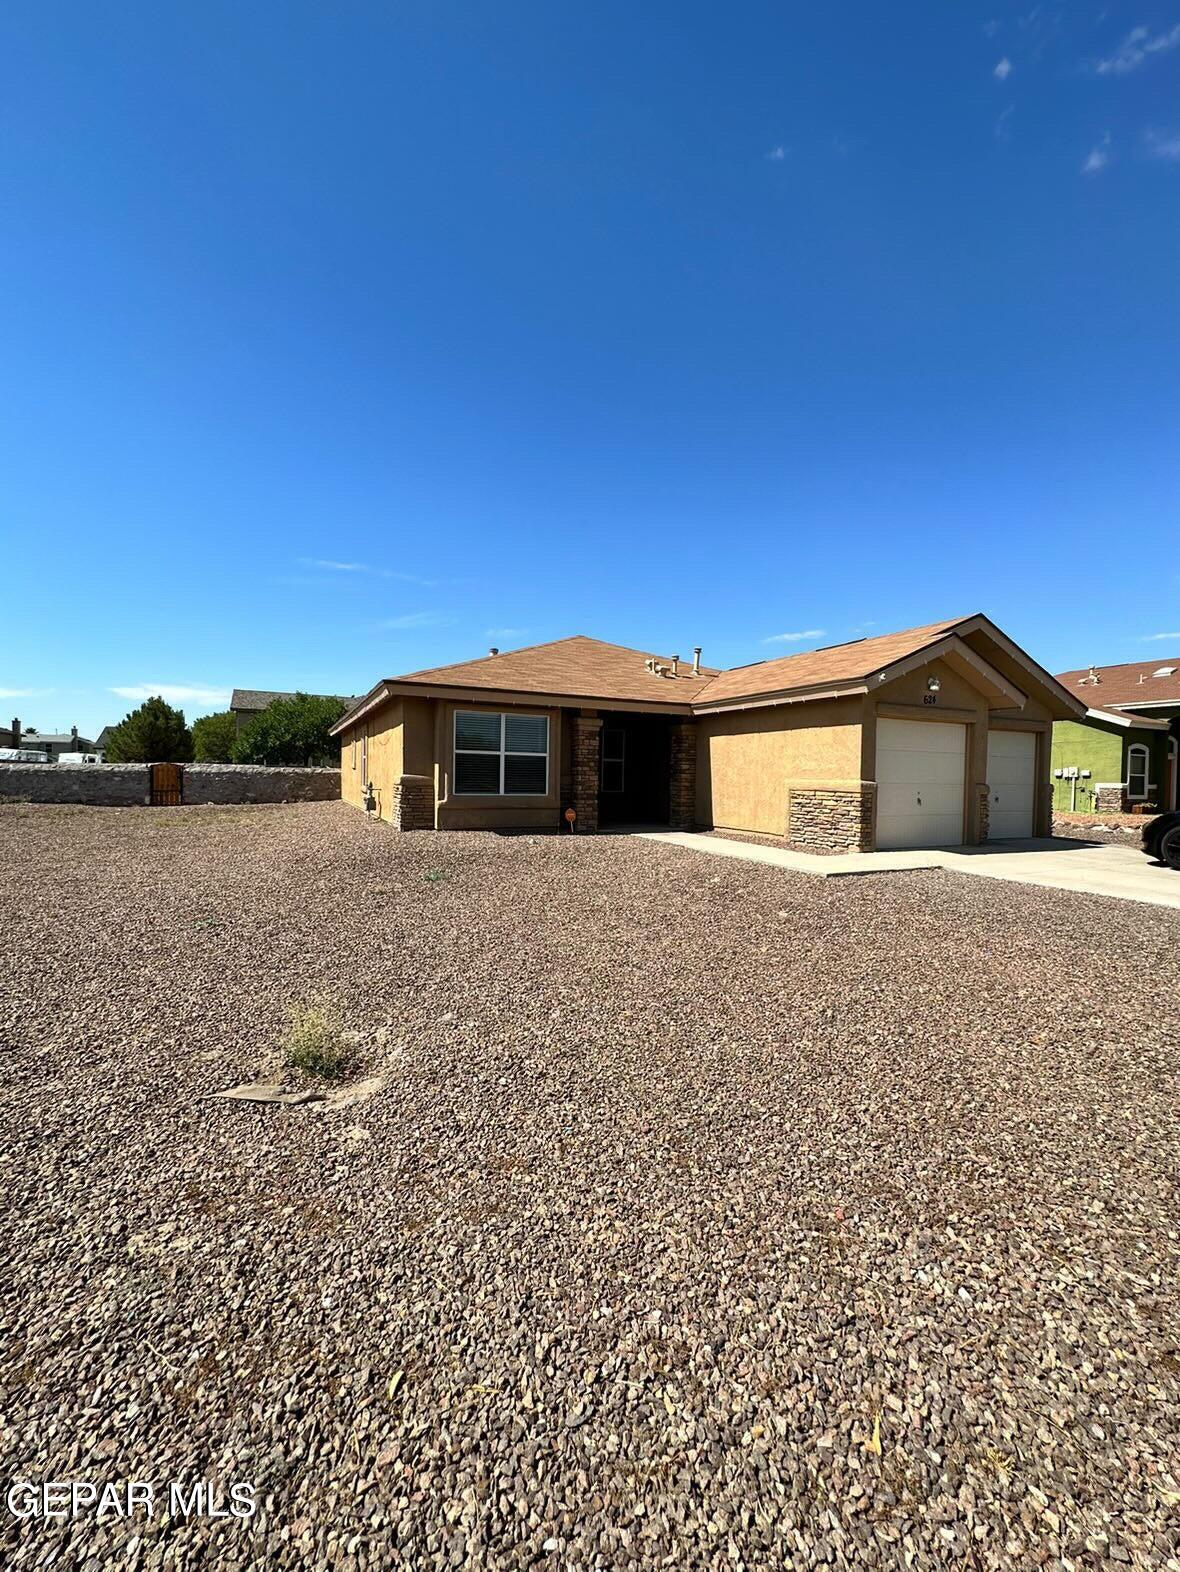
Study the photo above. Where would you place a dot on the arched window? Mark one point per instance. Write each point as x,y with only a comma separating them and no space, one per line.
1137,772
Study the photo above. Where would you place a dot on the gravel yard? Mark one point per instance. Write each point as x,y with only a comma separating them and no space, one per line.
707,1215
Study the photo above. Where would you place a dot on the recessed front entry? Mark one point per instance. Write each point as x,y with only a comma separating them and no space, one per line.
1011,784
920,783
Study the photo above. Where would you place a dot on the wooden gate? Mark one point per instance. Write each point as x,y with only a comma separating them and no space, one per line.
167,785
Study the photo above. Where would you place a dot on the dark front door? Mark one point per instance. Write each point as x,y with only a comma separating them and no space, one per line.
633,770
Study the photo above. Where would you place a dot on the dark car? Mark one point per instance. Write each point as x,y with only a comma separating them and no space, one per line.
1161,839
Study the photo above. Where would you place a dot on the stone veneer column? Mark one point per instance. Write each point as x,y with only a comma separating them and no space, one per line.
985,801
586,772
682,784
412,807
831,818
1110,799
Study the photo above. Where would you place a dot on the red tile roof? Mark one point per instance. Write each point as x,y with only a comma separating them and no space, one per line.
1126,686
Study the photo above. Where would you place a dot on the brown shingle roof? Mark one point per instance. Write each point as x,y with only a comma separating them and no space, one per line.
1128,685
813,668
578,668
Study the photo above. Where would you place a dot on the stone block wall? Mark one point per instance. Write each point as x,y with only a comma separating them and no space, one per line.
1110,799
129,785
985,800
412,807
683,775
226,783
95,785
830,818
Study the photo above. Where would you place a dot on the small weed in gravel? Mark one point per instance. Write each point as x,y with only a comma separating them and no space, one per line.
314,1041
435,876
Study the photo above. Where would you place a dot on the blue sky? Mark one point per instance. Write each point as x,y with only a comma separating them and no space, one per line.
344,339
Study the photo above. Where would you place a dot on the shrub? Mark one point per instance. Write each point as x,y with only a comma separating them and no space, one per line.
292,732
314,1041
155,733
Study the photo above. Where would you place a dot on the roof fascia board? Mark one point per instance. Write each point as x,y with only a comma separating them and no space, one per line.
952,645
767,701
371,701
1128,720
1014,652
1146,704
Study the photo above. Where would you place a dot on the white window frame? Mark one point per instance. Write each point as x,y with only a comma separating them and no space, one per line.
1139,747
487,753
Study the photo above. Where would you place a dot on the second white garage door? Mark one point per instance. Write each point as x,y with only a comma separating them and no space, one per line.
1011,783
920,769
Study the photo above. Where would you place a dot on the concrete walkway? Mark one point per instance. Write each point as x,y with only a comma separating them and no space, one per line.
1122,872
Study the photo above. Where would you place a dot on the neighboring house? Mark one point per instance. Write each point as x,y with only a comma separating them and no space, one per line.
246,703
57,743
10,735
936,736
103,738
1123,754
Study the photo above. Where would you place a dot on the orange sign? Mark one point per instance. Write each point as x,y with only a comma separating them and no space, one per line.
570,816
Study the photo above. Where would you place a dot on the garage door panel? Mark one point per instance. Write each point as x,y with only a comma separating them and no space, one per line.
920,779
1012,784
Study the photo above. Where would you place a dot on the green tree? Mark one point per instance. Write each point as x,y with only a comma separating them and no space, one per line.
292,731
214,737
155,733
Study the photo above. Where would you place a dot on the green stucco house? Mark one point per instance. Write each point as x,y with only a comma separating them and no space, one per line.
1123,755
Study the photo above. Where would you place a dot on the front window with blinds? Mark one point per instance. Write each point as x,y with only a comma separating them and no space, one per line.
501,755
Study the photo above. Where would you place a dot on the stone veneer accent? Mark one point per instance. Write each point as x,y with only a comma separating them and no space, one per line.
1110,799
985,801
832,817
412,807
585,772
682,795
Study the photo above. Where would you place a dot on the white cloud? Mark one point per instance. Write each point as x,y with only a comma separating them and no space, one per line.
417,619
1002,127
330,565
1136,48
174,692
18,693
794,638
1163,145
1098,157
1003,70
1161,638
505,633
777,154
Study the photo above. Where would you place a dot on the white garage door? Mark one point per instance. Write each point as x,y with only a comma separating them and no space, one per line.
1012,784
920,768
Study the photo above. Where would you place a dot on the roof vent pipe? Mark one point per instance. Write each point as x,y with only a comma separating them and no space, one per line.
676,665
696,661
493,650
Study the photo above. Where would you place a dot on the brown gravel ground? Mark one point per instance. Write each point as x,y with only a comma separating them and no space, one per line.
709,1217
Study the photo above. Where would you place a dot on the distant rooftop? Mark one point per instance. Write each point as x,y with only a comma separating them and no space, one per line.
254,699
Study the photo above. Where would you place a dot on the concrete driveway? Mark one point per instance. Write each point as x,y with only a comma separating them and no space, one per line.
1122,872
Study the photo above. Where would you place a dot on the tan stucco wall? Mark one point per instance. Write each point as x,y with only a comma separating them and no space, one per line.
746,760
495,813
384,729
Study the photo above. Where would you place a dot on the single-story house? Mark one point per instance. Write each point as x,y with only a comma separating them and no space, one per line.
935,736
247,703
1122,755
58,742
